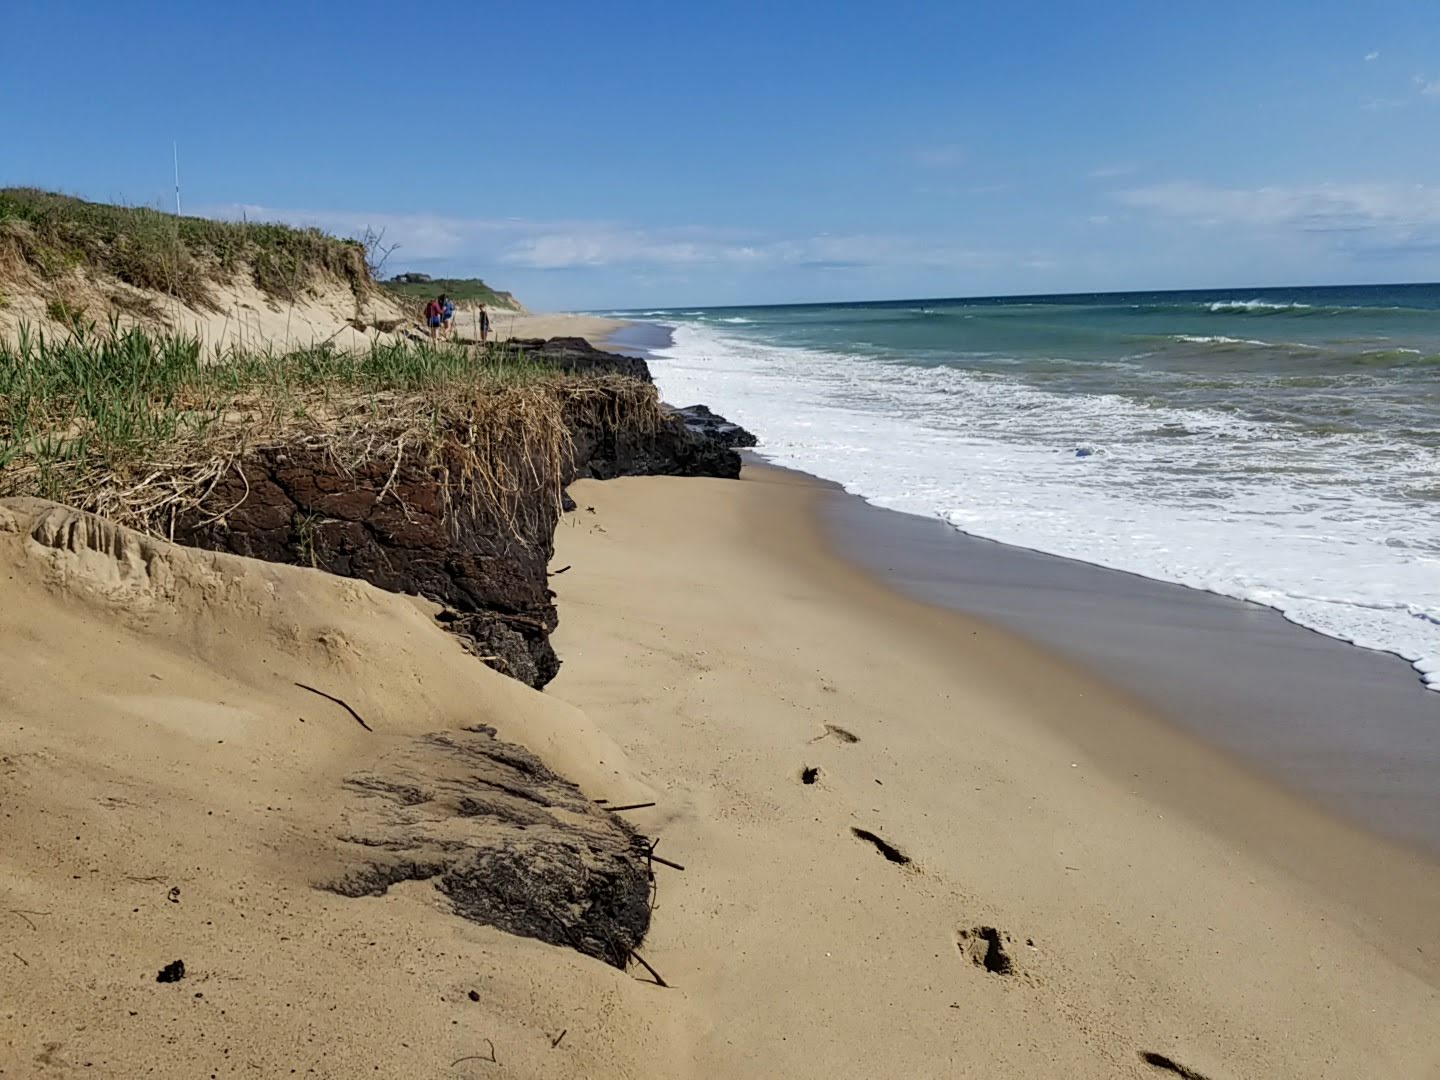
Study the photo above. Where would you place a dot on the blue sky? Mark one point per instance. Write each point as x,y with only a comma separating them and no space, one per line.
649,154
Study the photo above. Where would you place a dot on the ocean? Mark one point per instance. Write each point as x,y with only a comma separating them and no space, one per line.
1280,446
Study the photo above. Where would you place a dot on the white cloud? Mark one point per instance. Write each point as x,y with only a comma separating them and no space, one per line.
1099,219
1371,57
579,245
1109,172
1427,87
1352,216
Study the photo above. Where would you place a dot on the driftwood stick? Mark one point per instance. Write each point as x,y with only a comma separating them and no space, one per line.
658,980
331,697
665,862
556,1041
631,806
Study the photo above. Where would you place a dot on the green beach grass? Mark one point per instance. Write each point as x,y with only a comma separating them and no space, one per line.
138,426
51,235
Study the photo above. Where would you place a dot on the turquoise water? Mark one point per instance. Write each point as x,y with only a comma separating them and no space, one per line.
1280,445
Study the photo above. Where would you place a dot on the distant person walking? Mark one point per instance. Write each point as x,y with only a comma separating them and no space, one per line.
447,311
484,325
435,316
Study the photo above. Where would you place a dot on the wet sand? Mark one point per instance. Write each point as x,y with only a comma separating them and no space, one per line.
1350,728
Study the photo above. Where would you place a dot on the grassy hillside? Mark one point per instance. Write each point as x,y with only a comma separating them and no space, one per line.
48,236
462,290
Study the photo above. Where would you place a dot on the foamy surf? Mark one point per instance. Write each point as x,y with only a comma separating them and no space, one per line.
1255,305
1314,524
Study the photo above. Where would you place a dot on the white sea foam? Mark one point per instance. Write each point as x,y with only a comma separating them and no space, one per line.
1219,339
1254,305
1306,524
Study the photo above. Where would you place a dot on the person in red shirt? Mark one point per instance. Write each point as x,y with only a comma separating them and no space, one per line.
435,316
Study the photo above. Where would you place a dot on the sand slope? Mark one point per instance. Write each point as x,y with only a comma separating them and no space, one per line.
245,317
152,740
706,627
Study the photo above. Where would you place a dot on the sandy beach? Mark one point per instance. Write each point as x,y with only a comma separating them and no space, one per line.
913,843
893,838
507,324
708,630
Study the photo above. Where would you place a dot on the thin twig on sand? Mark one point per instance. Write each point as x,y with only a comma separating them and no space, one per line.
655,974
478,1057
331,697
26,916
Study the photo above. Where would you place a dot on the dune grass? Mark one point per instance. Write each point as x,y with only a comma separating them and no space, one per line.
51,235
464,291
138,427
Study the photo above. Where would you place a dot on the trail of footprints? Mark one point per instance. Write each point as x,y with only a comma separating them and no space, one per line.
986,947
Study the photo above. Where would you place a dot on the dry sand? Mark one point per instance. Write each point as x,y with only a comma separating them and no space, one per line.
595,328
152,739
706,628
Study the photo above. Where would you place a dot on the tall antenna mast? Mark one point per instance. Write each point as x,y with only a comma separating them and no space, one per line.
176,147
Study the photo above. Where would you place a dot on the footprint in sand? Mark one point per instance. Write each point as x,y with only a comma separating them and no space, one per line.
839,733
985,947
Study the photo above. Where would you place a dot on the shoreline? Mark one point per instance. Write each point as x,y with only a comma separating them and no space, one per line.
1350,729
1137,742
1136,921
1320,717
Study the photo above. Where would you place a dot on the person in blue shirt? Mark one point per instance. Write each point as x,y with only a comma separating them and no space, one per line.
447,314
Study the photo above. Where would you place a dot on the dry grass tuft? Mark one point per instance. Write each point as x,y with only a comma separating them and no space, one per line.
139,428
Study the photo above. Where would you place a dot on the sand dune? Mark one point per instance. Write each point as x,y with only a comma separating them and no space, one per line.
170,794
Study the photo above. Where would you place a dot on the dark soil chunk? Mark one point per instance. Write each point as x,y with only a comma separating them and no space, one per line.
889,850
1160,1061
171,972
399,525
508,842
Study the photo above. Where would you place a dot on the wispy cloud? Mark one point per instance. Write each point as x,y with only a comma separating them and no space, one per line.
1427,87
1371,57
1109,172
581,245
1352,216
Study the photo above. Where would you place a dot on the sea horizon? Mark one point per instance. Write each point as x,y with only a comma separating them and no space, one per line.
1071,295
